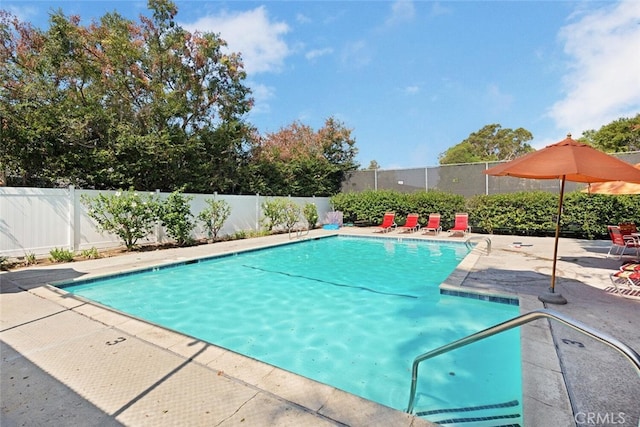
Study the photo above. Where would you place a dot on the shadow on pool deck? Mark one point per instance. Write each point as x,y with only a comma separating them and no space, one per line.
64,359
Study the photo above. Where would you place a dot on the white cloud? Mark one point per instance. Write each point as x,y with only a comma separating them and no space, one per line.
23,13
251,33
497,100
261,95
302,18
412,90
437,9
603,81
356,54
401,11
316,53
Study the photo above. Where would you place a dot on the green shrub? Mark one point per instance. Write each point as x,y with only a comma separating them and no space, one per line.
369,207
214,216
435,201
239,235
175,215
273,213
523,213
60,255
127,214
534,212
280,212
310,212
90,253
587,215
256,233
30,259
4,263
291,216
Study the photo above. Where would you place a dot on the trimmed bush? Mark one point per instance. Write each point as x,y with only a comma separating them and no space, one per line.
369,207
528,213
127,214
175,215
60,255
310,212
214,216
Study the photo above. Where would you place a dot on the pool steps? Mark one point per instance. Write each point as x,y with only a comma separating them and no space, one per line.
630,354
477,416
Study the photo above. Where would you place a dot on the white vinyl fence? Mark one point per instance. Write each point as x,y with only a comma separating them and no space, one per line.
36,220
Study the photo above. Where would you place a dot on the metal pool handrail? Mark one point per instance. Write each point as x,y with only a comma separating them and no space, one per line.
299,232
626,351
486,239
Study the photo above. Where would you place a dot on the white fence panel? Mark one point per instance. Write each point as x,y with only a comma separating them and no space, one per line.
36,220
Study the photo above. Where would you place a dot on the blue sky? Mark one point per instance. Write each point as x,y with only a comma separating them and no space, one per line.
413,78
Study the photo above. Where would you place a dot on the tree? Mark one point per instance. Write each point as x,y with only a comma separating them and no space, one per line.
116,103
300,162
223,160
373,165
616,137
339,149
491,143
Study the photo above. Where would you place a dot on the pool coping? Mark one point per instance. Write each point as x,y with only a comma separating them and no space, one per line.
329,403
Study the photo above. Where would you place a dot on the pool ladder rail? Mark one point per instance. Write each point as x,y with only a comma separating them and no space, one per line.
469,242
298,232
630,354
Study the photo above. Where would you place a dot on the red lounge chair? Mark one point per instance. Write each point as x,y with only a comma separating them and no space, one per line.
461,225
411,225
388,223
620,242
630,266
631,278
433,225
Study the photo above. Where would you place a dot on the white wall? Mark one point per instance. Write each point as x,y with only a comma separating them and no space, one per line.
36,220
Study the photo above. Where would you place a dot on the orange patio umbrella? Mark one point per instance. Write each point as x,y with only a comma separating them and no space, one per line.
567,160
614,187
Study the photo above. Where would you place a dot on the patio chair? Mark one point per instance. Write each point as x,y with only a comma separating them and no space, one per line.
630,266
433,225
461,225
411,225
620,242
630,278
388,223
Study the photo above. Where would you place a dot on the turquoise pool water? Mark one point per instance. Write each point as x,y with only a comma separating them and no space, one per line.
351,312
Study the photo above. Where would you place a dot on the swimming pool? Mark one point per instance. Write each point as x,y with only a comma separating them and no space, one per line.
351,312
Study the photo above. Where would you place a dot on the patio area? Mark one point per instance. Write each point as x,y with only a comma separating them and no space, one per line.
65,361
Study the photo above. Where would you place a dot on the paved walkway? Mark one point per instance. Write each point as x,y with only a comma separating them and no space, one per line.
68,362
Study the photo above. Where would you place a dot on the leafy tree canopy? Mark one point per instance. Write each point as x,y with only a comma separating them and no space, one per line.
116,103
147,105
373,165
297,160
491,143
616,137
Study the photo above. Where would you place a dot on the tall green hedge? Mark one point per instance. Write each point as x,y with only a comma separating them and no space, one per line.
368,207
530,213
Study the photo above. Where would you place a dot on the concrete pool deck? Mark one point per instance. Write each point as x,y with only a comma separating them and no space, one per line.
69,362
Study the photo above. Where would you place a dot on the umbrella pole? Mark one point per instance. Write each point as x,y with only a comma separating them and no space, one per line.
552,297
